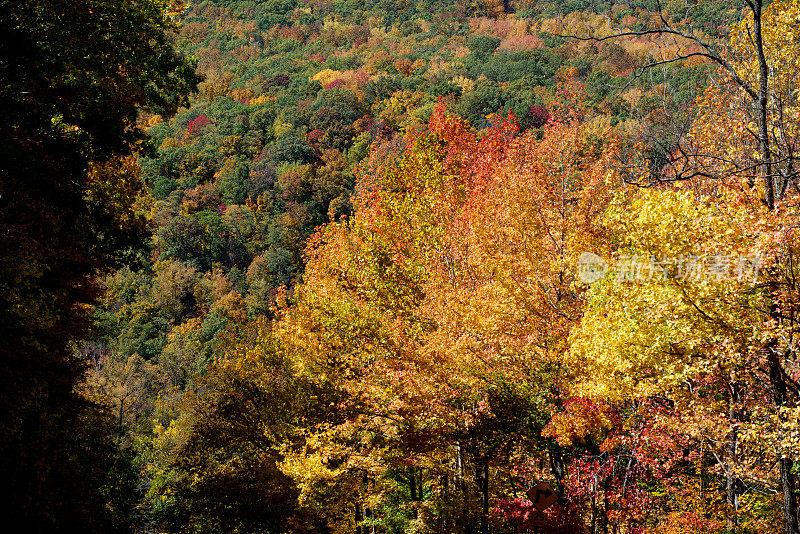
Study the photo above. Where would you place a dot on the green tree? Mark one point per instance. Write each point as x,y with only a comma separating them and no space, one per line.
74,77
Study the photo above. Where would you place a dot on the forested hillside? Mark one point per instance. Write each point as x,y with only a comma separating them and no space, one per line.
338,266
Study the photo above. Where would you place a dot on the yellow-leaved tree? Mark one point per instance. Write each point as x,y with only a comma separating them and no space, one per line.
699,308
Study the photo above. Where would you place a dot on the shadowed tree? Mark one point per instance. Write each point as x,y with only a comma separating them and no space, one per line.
73,77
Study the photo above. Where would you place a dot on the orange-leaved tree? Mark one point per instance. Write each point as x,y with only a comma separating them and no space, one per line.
443,307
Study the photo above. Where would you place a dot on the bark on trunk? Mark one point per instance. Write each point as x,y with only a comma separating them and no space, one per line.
731,480
777,380
788,480
482,478
557,470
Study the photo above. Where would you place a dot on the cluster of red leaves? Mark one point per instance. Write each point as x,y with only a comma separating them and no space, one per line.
336,84
197,124
539,116
315,136
520,514
616,483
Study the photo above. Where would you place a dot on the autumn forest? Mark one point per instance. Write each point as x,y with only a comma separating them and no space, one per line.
415,266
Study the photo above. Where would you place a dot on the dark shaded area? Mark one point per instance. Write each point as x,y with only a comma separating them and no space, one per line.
72,78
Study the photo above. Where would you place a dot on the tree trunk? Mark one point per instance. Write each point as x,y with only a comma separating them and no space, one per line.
731,479
776,373
788,480
359,517
762,108
482,478
416,494
557,470
788,485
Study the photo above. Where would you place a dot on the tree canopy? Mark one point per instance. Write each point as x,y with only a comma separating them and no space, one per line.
75,76
395,266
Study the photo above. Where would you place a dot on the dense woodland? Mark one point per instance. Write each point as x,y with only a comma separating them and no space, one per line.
314,266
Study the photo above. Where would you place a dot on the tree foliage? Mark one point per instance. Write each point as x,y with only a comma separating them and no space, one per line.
363,306
74,79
